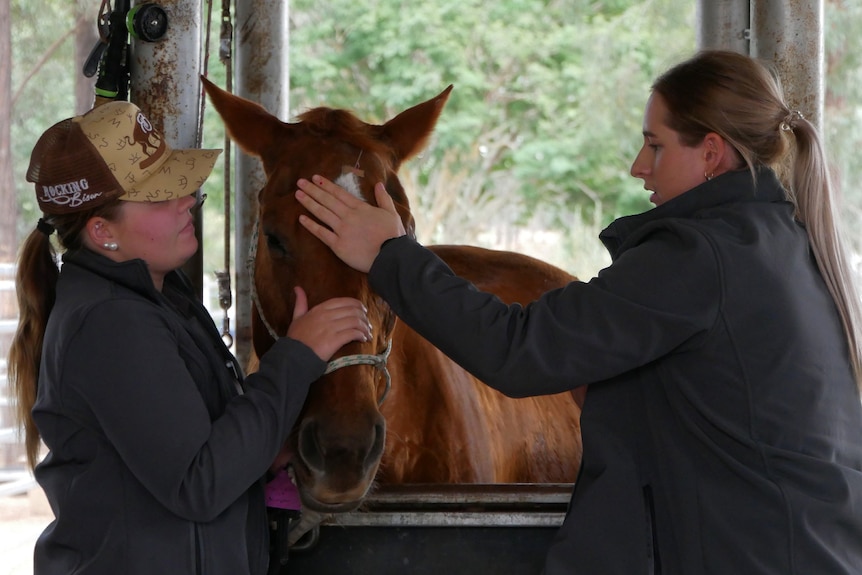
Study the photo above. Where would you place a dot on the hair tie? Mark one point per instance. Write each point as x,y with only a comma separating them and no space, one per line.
789,122
44,227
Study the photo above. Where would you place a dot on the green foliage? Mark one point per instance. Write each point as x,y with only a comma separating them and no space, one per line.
842,125
548,97
541,127
43,95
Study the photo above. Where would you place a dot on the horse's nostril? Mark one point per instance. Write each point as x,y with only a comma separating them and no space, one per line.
323,453
309,448
376,451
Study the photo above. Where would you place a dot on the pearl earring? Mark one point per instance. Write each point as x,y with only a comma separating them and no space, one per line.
111,246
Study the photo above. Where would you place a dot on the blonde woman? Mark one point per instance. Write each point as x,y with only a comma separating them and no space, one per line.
722,426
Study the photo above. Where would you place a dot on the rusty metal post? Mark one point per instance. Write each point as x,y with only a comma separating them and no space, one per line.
723,24
165,85
789,34
262,75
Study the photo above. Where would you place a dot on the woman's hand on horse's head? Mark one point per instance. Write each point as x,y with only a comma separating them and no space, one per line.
329,325
353,229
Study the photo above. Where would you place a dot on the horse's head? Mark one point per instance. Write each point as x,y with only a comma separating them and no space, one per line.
338,442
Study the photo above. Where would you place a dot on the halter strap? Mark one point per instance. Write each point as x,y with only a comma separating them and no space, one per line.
249,265
378,360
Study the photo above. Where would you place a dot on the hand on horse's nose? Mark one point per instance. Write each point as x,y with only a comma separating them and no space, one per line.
329,325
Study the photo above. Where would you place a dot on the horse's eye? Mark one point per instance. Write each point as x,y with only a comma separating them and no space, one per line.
276,248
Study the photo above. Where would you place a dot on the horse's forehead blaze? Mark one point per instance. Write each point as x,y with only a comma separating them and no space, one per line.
350,182
354,164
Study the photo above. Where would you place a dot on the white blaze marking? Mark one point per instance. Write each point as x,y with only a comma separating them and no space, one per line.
350,183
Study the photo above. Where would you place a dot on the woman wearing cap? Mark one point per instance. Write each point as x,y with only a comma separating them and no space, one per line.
722,426
155,451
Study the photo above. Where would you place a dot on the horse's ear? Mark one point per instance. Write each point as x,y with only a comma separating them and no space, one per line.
408,132
248,123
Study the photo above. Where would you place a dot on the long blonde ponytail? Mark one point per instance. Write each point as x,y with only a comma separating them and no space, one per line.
739,99
816,205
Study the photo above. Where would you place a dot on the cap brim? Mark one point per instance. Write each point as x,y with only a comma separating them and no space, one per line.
183,173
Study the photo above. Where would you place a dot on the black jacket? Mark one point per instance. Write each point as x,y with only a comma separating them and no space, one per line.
156,456
722,428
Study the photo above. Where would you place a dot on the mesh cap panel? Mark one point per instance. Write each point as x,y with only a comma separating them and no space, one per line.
112,151
68,172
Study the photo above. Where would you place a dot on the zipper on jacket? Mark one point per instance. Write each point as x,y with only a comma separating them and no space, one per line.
653,560
198,549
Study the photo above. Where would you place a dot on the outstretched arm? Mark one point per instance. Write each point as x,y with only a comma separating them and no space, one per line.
354,229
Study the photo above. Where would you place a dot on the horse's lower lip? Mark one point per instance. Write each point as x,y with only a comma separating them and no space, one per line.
321,507
311,502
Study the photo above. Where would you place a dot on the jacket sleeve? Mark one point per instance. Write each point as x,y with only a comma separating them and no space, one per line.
658,297
141,394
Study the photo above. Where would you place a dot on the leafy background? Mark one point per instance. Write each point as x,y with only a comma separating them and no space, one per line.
532,152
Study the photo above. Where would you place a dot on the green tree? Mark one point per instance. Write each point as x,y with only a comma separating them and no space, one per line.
546,111
8,200
43,85
540,130
842,122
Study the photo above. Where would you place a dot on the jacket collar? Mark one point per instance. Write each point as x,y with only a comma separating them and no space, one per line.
730,187
132,274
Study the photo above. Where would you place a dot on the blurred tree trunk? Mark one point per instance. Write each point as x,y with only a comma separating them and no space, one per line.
86,36
8,196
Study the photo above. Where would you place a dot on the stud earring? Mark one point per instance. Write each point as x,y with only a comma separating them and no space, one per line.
111,246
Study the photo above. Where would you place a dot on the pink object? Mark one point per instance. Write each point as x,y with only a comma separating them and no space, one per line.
281,493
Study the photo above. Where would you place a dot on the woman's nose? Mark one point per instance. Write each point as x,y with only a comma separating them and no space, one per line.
638,169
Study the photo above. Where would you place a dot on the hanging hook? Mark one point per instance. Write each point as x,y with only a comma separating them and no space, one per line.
225,300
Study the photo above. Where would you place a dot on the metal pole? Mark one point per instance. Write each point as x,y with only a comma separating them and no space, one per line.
165,85
723,24
789,34
262,66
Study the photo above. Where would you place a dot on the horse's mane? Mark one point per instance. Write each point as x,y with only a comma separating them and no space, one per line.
326,122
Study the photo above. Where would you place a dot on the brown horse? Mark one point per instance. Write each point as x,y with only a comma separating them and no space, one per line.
438,424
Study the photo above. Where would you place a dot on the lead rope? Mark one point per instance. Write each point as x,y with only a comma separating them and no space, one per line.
225,297
376,360
223,277
249,266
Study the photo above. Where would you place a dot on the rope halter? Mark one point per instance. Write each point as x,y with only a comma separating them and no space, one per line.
378,361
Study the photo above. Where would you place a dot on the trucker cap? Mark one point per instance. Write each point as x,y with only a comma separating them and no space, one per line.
112,152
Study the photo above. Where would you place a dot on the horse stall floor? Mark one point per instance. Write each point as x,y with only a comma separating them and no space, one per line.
22,518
